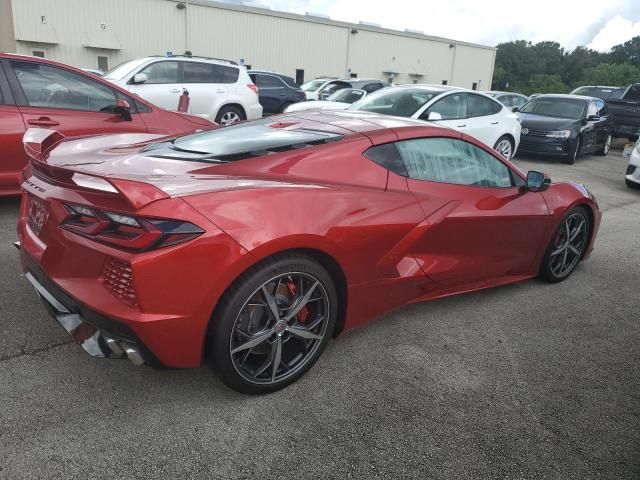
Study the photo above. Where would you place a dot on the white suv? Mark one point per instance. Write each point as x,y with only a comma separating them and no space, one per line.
219,90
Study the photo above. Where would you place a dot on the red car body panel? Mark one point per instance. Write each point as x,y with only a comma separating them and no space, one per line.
16,116
393,240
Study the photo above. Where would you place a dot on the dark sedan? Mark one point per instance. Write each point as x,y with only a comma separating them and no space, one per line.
275,91
566,126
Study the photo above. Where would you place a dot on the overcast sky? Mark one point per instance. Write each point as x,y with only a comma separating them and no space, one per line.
595,23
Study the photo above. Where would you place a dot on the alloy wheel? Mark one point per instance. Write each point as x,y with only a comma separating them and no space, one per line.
504,148
569,245
229,118
279,328
607,145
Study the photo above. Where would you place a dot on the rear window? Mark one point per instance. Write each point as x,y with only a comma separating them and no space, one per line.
241,141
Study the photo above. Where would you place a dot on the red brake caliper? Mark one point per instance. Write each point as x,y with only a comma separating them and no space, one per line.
304,311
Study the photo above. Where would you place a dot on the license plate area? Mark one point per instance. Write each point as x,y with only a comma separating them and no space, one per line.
38,213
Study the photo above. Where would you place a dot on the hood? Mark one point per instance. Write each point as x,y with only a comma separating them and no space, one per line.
543,122
321,105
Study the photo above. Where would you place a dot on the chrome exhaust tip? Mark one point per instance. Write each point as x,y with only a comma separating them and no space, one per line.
134,356
115,347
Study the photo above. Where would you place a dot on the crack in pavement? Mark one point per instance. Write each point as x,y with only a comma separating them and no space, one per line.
33,352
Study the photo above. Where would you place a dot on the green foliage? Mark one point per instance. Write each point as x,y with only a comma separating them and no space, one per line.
545,67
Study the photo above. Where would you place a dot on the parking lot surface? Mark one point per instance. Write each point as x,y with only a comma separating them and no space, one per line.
520,382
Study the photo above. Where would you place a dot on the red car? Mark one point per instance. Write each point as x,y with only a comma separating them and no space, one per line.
35,92
250,246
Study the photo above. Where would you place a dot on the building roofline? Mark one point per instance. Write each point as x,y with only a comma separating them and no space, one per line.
328,21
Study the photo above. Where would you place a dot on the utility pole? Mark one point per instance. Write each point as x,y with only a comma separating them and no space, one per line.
186,26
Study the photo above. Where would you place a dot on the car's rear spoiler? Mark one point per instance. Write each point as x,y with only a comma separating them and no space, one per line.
38,143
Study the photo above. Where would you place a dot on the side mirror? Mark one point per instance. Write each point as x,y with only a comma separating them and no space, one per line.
123,109
139,78
515,109
434,116
536,181
593,118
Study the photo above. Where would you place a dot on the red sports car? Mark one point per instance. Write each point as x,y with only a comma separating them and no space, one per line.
250,246
35,92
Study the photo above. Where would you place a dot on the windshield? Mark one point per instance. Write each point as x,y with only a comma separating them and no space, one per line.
120,71
348,95
599,92
556,107
402,102
313,85
244,140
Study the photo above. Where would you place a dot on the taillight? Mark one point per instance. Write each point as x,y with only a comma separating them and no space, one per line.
253,88
126,231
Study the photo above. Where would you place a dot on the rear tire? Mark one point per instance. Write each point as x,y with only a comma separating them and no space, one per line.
505,147
567,246
604,151
246,314
229,115
570,159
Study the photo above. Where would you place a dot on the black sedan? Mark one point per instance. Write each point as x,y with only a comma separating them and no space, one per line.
566,126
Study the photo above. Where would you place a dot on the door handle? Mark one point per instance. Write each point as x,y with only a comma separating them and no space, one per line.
220,90
175,90
461,126
43,122
495,123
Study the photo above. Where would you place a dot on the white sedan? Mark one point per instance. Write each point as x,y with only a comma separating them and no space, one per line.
468,111
633,170
340,100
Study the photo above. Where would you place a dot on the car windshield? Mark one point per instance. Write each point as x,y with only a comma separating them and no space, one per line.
402,102
599,92
242,141
347,95
120,71
556,107
313,85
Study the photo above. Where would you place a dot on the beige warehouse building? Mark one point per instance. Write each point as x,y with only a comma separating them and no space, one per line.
101,34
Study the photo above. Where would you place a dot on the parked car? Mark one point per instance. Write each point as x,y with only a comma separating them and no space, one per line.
565,125
340,100
626,113
601,92
470,112
509,99
252,245
35,92
632,177
219,90
322,88
276,91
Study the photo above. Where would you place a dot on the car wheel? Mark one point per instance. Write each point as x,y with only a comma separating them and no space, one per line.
634,185
604,151
504,146
570,159
229,115
272,324
567,246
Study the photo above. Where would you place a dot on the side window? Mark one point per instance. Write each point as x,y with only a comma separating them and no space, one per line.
519,101
196,72
506,100
603,111
268,81
448,160
372,87
387,156
478,106
592,110
450,107
161,72
223,74
53,87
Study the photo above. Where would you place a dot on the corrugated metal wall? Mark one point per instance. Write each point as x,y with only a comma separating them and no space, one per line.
78,31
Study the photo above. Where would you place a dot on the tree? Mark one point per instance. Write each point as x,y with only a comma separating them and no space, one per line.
545,84
611,74
628,52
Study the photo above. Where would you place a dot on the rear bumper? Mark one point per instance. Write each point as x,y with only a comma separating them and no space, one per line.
254,111
99,336
626,130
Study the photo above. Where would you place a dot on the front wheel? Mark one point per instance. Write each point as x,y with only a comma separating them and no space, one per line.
229,115
567,246
272,324
505,147
570,159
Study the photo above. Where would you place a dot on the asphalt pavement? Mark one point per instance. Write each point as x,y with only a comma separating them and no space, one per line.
525,381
